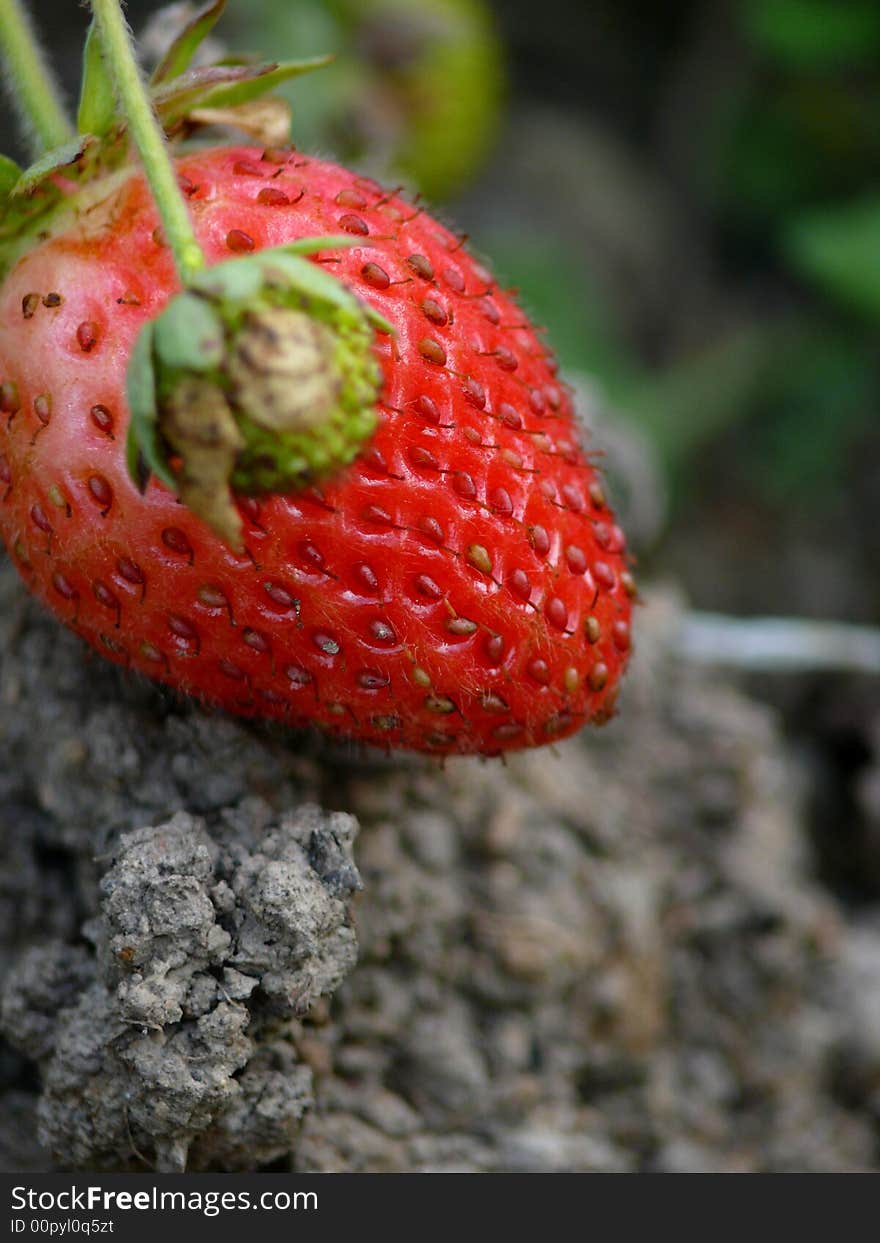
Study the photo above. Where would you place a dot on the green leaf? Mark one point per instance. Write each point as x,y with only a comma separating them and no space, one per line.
10,175
188,335
236,280
174,99
814,34
60,157
179,55
97,102
314,245
260,84
140,384
379,322
239,280
225,86
143,428
306,278
838,248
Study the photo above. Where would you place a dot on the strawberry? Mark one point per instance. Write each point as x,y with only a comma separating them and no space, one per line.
461,587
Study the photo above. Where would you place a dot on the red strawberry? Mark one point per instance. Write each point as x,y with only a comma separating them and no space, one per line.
461,588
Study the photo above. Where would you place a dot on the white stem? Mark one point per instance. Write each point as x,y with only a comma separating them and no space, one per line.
779,644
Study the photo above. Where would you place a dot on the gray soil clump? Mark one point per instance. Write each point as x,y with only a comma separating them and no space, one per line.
607,957
202,948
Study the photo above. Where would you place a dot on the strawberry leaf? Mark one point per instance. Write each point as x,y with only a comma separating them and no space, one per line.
10,175
284,267
142,444
179,55
60,157
97,102
224,86
173,100
308,279
189,335
379,322
314,245
261,82
238,280
235,280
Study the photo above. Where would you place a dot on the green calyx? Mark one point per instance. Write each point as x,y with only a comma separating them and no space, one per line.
260,377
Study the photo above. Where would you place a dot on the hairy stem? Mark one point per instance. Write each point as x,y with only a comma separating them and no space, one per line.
149,138
32,87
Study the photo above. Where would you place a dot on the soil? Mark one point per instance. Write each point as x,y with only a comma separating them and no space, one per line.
228,948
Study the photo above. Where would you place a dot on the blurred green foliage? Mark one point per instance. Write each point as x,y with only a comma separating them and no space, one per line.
801,165
787,175
564,299
838,247
415,91
813,35
820,395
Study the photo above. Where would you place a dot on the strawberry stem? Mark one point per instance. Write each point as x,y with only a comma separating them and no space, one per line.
33,89
149,138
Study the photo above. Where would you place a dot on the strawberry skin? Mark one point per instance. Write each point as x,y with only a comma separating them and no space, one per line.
462,588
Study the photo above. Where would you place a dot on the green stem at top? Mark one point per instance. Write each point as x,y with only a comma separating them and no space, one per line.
34,92
149,138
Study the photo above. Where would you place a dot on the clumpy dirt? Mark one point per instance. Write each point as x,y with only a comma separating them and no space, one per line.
227,948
